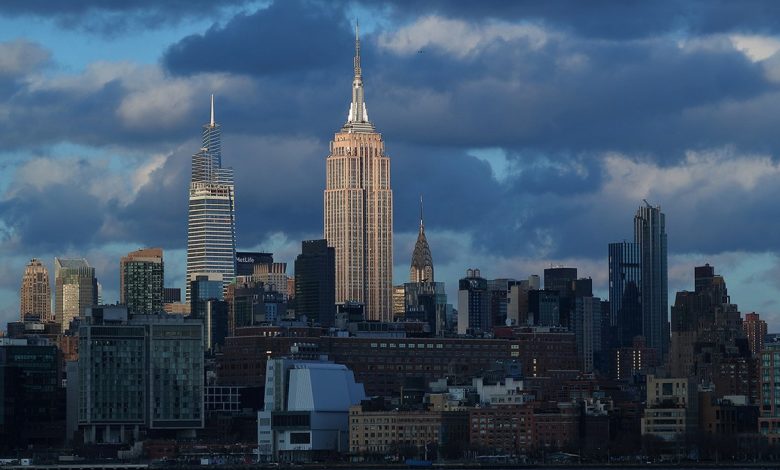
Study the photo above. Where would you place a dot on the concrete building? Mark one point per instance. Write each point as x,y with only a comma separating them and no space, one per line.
358,207
671,409
273,276
141,278
211,226
315,282
381,432
139,375
76,289
35,293
305,415
473,304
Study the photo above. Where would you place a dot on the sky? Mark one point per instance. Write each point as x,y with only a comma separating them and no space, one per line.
533,130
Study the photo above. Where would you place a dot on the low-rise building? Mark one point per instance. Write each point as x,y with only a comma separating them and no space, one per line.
305,414
671,410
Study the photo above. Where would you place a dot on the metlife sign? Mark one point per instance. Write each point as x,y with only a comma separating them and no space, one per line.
246,261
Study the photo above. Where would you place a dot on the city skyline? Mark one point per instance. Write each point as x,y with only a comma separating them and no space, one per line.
555,190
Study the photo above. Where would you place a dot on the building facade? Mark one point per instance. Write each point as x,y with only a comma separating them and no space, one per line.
625,282
139,374
473,304
35,293
359,209
211,227
650,235
141,278
76,289
315,282
305,413
755,330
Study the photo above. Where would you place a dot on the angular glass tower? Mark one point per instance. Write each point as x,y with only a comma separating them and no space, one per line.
211,230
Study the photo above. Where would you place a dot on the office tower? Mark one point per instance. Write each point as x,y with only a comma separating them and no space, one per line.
171,295
755,330
215,324
75,289
204,287
211,229
141,277
421,269
315,282
245,304
359,208
562,279
246,261
499,298
544,307
586,324
625,282
399,301
650,235
273,275
32,400
473,304
139,373
428,301
35,293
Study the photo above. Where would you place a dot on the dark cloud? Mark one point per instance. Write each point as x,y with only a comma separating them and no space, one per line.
115,17
612,18
287,37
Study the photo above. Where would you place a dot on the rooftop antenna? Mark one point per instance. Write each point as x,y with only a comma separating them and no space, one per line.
212,110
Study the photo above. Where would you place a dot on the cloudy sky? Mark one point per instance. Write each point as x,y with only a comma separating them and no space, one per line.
533,129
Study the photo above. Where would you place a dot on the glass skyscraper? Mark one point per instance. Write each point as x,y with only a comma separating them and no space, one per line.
625,282
650,235
211,230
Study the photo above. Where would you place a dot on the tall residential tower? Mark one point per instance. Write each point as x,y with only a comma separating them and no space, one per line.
211,230
650,235
359,208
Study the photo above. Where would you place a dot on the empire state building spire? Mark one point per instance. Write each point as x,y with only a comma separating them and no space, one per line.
357,119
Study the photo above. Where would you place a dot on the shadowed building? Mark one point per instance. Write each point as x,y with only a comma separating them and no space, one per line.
315,282
359,209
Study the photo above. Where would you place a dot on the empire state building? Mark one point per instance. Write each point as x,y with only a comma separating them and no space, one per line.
359,208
